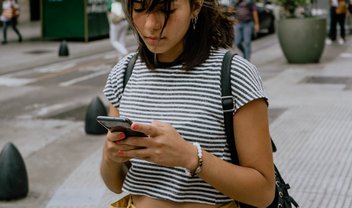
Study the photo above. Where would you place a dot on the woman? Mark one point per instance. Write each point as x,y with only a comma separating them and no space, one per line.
173,97
9,16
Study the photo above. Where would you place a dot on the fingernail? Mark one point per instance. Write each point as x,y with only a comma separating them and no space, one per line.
121,135
134,126
120,152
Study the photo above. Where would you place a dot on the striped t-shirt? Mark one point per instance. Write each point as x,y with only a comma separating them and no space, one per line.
190,101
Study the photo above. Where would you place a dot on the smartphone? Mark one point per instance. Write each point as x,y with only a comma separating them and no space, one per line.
122,124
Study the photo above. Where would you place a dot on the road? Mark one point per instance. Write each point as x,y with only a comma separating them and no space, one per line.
42,113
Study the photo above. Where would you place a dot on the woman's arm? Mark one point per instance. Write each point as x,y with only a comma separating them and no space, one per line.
112,170
253,181
256,21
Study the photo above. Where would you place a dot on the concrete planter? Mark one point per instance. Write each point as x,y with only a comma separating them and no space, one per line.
302,40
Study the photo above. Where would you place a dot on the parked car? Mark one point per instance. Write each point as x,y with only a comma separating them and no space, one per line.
266,17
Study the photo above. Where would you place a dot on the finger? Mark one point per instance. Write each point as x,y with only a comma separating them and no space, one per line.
115,136
114,150
124,147
139,142
147,129
141,153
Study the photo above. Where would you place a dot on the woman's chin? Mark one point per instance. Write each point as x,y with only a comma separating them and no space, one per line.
154,49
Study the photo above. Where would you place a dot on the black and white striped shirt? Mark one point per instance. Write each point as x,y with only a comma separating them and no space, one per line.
190,102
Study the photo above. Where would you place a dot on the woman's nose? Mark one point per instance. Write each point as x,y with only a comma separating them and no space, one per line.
154,21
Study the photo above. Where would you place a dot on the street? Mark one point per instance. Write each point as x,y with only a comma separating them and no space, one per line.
42,112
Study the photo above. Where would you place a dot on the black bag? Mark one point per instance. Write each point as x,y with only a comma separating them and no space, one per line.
282,198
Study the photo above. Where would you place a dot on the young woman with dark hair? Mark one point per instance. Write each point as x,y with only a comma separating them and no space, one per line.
173,96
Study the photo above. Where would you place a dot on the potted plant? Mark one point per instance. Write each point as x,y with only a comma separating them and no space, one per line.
301,35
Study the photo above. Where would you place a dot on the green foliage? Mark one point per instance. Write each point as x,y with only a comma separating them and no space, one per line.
294,8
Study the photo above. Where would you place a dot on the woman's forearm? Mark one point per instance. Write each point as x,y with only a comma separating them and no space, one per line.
238,182
113,174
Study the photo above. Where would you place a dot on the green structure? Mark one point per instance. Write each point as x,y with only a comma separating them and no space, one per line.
74,19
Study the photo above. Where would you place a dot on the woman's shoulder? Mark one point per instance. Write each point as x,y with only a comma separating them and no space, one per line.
245,70
119,69
124,61
127,58
240,67
237,62
216,56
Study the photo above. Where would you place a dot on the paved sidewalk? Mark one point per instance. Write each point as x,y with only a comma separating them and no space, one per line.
313,131
311,122
35,51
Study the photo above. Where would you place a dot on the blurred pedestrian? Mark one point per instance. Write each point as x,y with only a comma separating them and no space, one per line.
9,16
247,16
227,7
118,27
173,96
338,11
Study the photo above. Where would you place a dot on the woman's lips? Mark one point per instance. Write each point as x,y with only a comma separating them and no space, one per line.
153,40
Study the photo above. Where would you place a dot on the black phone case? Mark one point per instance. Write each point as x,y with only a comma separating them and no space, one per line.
115,124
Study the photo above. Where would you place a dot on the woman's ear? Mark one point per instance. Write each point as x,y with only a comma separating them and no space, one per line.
197,6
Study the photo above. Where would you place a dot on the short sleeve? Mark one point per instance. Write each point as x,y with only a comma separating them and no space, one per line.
246,83
114,84
254,6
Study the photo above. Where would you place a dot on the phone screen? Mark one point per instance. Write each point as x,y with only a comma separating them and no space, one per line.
121,124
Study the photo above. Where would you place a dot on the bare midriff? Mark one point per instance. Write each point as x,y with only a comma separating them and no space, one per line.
147,202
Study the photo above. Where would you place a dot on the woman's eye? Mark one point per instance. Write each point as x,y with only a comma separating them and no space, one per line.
138,10
138,7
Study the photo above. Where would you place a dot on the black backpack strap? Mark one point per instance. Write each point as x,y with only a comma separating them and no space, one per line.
227,101
129,69
228,106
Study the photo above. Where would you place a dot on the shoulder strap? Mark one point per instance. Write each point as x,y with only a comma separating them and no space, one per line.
129,69
227,101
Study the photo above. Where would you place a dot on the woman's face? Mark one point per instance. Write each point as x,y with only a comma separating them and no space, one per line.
168,45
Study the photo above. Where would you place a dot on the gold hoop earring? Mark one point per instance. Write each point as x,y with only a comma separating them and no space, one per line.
194,22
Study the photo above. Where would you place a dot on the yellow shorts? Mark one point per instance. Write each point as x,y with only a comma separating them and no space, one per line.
126,202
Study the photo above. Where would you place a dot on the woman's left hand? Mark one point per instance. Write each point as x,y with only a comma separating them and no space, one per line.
256,28
163,146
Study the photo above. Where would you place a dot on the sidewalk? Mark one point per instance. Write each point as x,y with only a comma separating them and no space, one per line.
313,131
310,122
35,51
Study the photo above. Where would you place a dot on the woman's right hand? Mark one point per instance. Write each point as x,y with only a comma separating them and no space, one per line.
112,147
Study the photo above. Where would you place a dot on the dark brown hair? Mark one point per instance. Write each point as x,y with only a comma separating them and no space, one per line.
213,30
